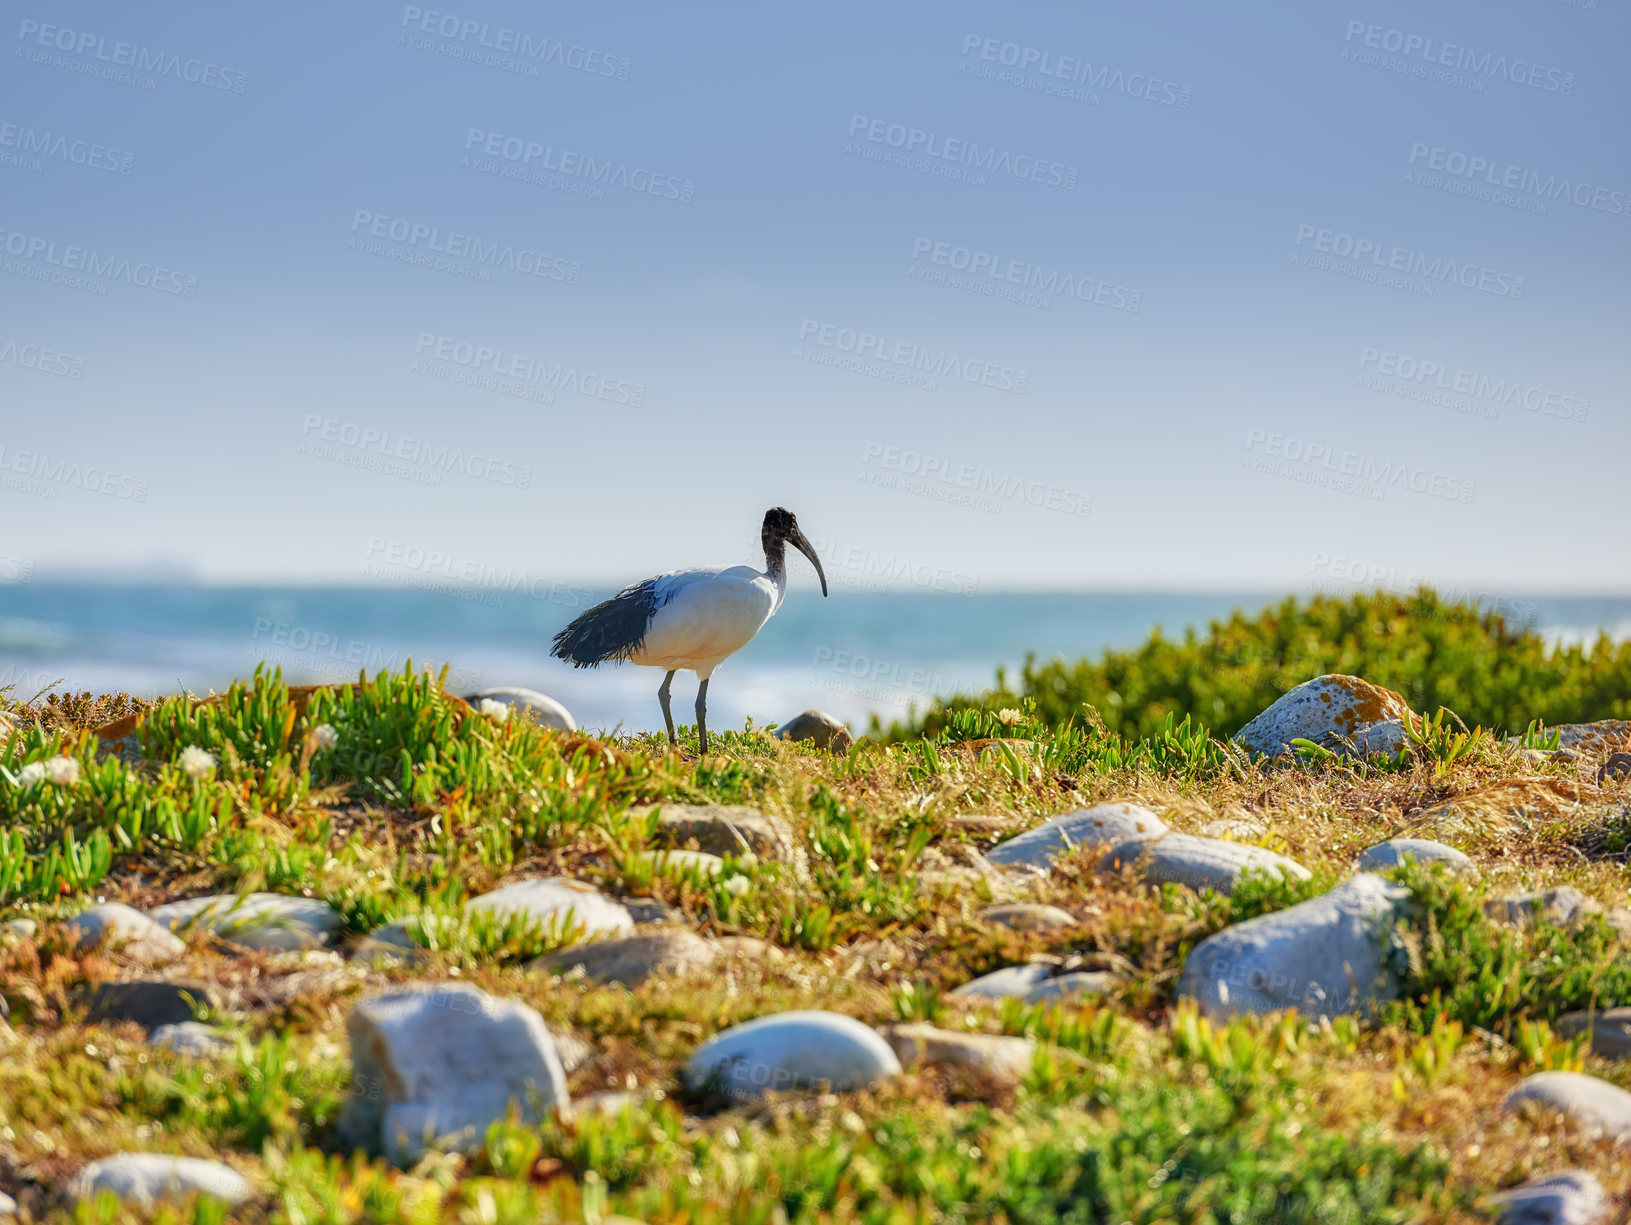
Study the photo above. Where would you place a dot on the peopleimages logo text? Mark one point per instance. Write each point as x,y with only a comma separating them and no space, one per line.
1495,173
920,143
1076,70
133,56
1410,262
456,245
506,41
1462,59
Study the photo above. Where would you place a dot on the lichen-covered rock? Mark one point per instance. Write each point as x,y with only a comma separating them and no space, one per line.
540,707
136,935
1393,853
1103,824
1570,1197
792,1050
818,728
1595,739
555,903
633,959
1199,863
1028,917
434,1067
257,920
1610,1030
1323,957
1334,711
146,1178
1001,1056
1594,1105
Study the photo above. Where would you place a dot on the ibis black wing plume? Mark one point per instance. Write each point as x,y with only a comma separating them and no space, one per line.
613,629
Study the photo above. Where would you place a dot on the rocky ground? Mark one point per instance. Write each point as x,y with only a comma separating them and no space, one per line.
389,956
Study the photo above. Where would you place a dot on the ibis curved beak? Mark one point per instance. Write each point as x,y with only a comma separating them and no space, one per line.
798,541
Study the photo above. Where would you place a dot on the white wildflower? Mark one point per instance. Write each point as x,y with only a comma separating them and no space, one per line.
736,886
1008,716
324,736
63,771
33,772
496,711
196,761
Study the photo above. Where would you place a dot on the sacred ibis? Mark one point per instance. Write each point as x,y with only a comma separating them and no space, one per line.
691,619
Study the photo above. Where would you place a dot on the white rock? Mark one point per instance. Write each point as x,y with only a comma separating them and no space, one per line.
1103,823
433,1068
1596,1105
1184,859
136,935
1391,854
1323,957
1330,710
555,901
190,1038
145,1178
792,1050
1572,1197
545,710
257,920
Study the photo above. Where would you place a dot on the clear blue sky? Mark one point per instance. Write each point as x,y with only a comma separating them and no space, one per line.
1260,415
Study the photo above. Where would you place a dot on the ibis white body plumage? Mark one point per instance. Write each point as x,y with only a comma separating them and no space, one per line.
689,619
706,614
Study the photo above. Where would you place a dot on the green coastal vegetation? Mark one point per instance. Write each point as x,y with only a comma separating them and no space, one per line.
390,800
1435,653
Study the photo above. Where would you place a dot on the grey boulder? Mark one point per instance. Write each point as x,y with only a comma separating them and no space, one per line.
1610,1030
557,904
1572,1197
1199,863
133,933
1323,957
1103,824
190,1038
1393,852
1035,983
1595,1105
542,708
432,1068
146,1178
273,921
818,728
792,1050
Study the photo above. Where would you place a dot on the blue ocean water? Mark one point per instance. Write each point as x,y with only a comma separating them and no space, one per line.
854,654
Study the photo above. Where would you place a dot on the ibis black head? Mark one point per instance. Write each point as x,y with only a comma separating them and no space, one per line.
780,526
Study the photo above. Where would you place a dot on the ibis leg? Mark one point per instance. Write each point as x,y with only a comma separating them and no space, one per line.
668,717
702,709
